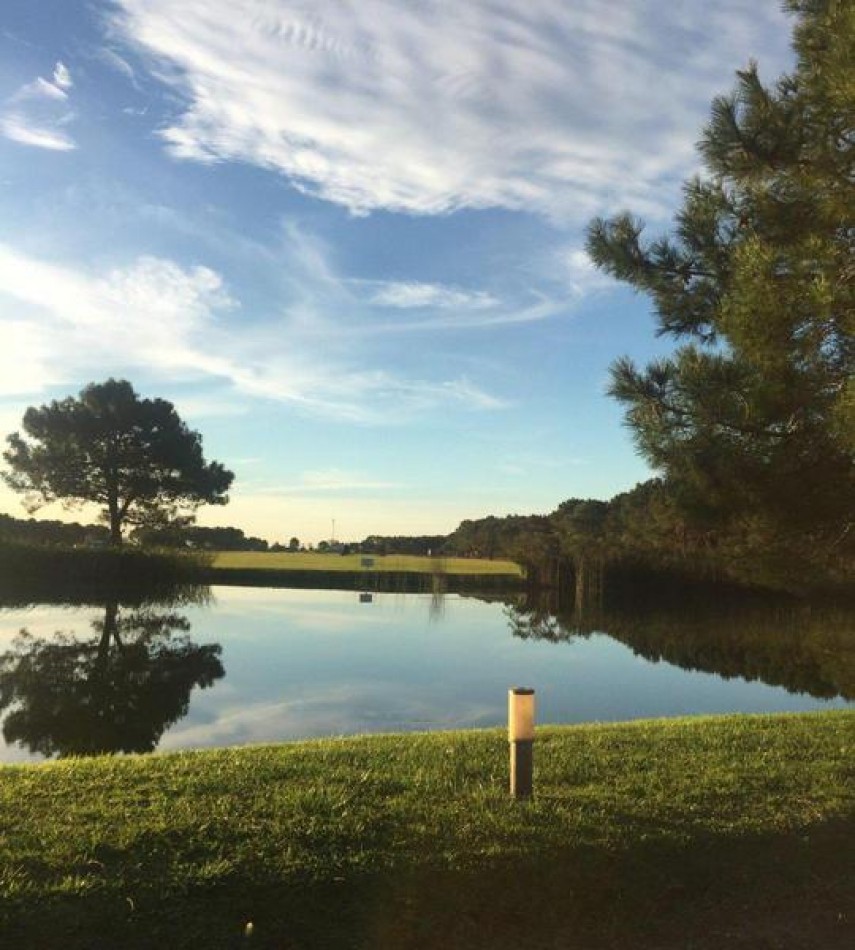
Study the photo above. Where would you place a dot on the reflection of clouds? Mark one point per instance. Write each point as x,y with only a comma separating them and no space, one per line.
318,621
335,710
46,621
317,611
279,599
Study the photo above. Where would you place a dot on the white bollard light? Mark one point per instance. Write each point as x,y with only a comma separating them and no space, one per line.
521,739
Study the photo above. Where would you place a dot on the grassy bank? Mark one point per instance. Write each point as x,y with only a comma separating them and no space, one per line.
702,833
387,563
392,572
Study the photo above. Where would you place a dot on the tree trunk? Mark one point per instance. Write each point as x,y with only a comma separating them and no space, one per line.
115,531
115,520
108,632
581,582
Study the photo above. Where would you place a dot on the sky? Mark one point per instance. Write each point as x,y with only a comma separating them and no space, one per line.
346,237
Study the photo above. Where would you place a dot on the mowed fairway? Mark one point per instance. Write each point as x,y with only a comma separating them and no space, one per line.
400,563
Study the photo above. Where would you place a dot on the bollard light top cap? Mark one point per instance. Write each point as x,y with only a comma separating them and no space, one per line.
522,691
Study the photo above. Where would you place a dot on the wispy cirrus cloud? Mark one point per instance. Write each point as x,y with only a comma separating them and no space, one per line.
62,324
564,109
319,289
118,64
38,112
62,77
411,295
582,276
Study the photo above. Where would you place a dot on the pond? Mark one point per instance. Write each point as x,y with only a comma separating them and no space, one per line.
247,665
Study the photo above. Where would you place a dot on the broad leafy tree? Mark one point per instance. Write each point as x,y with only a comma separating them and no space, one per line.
752,420
134,457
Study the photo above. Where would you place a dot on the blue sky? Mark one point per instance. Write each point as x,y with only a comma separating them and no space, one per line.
345,237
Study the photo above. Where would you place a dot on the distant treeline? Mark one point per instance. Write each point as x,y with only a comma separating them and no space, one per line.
73,534
206,539
423,545
32,531
646,533
638,537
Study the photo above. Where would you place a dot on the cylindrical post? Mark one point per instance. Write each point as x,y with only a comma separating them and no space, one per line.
521,739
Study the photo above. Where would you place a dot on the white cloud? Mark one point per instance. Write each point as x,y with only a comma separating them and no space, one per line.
413,294
146,314
582,275
169,322
25,358
37,113
120,65
566,109
15,127
40,89
539,307
62,77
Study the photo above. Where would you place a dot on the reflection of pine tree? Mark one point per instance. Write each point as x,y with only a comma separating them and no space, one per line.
533,623
116,692
802,649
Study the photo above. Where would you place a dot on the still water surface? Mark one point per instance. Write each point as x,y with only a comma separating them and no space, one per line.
260,665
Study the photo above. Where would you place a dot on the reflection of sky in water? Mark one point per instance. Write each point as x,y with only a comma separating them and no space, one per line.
312,663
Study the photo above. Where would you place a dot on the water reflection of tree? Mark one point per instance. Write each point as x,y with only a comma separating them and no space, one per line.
533,623
801,649
115,692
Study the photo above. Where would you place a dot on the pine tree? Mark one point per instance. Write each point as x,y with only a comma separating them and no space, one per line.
133,457
752,420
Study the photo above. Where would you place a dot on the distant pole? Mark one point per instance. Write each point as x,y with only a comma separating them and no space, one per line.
333,531
521,739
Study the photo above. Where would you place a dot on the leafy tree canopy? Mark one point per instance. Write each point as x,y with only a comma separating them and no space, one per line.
134,457
752,421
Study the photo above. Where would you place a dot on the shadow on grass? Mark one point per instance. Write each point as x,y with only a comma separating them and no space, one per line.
763,893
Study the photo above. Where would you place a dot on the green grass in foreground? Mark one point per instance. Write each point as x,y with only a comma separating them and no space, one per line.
701,833
315,561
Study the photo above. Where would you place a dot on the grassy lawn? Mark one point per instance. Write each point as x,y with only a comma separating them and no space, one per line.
315,561
701,833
